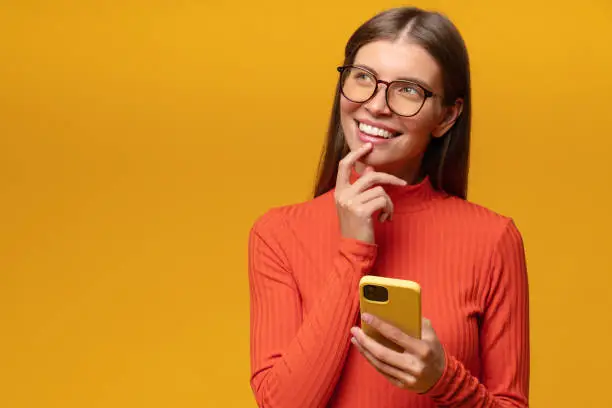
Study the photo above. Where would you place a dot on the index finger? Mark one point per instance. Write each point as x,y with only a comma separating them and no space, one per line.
346,165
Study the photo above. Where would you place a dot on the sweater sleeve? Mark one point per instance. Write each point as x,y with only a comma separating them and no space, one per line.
296,359
504,338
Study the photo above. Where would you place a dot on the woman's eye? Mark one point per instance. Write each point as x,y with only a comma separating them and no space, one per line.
409,90
362,77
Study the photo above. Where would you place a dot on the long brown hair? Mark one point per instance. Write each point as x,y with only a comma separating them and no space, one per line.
446,159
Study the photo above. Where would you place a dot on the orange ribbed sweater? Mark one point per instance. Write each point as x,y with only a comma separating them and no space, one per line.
304,279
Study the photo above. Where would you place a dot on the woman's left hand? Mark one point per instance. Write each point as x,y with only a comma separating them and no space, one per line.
417,369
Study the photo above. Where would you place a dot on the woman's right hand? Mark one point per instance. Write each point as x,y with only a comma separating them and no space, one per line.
357,202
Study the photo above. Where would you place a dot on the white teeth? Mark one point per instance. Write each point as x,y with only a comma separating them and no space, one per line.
374,131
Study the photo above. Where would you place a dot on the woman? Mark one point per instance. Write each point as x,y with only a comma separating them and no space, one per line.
391,201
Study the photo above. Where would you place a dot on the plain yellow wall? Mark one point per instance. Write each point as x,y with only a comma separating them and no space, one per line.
139,141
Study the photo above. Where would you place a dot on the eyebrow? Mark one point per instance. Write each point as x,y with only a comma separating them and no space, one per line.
409,79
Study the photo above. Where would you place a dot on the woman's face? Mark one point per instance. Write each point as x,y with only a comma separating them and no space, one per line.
401,153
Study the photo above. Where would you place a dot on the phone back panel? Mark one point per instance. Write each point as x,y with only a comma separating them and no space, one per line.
402,309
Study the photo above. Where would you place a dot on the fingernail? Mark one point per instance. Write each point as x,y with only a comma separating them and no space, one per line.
353,340
366,317
354,331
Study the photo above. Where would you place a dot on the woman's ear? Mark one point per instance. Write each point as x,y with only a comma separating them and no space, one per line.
450,117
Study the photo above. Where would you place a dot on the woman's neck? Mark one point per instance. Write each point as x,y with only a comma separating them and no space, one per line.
412,172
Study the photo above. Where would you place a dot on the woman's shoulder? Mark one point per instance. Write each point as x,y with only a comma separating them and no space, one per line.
303,214
475,217
479,230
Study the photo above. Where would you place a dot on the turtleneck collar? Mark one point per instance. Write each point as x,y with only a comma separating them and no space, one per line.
411,197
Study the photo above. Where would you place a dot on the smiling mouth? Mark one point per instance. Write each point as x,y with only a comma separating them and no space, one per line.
376,132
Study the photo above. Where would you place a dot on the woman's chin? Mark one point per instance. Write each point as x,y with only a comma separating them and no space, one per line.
380,158
377,161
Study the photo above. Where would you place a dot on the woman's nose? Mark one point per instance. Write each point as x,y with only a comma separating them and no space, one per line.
378,104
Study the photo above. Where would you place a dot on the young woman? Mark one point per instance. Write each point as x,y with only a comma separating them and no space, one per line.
391,201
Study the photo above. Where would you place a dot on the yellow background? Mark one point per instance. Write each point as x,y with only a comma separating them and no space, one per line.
139,141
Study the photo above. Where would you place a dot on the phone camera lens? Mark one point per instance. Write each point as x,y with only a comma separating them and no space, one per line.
375,293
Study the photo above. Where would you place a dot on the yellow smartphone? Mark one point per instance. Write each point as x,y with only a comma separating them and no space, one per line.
396,301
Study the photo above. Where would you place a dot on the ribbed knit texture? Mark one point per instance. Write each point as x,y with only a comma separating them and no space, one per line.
304,279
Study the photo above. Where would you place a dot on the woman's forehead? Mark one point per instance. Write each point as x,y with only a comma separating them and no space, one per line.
391,60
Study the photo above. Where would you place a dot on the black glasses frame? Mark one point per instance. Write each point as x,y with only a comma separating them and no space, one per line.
428,94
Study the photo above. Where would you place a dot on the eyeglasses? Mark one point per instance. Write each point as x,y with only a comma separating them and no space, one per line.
404,98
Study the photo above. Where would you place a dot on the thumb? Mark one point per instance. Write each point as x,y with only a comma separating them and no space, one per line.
428,332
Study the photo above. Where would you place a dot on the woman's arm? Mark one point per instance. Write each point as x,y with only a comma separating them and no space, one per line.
296,360
425,367
504,338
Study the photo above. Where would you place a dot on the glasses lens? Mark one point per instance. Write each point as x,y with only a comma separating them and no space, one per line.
358,85
405,98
